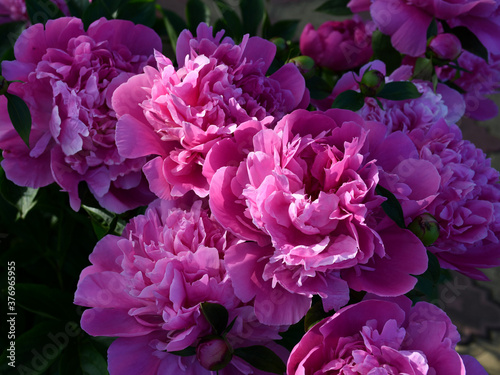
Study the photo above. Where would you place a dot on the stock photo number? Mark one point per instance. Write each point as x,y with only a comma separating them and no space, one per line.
11,313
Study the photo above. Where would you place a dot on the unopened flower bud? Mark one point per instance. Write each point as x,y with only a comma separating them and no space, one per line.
372,82
426,228
445,46
280,43
214,353
3,85
305,65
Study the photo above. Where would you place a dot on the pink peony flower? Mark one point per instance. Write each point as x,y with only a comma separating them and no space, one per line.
445,46
305,193
146,288
68,77
338,45
381,336
407,22
179,114
479,80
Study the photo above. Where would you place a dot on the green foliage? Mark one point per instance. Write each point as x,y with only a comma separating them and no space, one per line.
261,358
400,90
384,51
40,11
196,13
391,206
349,99
252,13
20,116
335,8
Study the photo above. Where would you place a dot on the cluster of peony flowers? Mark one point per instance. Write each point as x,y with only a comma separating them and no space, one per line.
260,205
67,77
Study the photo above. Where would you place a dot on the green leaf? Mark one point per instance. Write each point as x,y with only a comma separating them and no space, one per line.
252,12
400,90
174,26
424,69
20,116
91,360
349,99
186,352
45,301
285,29
261,358
138,11
470,42
230,20
10,31
292,335
335,8
432,30
100,8
104,222
391,206
384,51
315,314
196,13
318,87
216,315
77,7
22,198
40,11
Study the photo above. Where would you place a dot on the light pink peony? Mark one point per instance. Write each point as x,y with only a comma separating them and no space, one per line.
382,336
407,22
179,114
146,288
338,45
68,77
305,193
479,80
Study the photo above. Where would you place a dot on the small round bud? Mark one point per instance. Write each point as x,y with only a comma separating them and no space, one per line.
305,65
372,82
426,228
214,353
4,85
445,46
280,43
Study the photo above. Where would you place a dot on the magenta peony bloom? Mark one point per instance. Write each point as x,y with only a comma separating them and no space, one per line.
305,193
338,45
146,288
180,114
479,80
445,46
382,336
68,77
407,22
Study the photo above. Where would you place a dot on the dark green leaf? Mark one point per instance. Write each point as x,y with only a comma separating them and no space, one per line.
400,90
20,116
424,69
196,13
45,301
216,315
252,12
230,20
315,314
91,360
349,99
138,11
104,222
228,328
454,86
174,26
432,30
77,7
318,87
40,11
470,42
292,335
391,206
335,8
384,51
434,269
285,29
261,358
10,31
186,352
23,198
96,10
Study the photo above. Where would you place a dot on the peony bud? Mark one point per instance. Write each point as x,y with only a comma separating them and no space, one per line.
372,82
426,228
445,46
305,65
214,353
280,43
